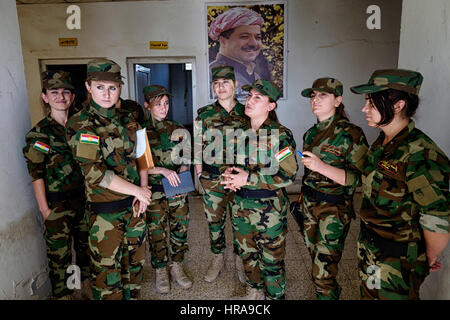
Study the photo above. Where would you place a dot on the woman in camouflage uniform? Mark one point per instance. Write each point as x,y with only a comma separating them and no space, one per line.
103,141
405,208
261,200
58,184
224,115
333,158
173,213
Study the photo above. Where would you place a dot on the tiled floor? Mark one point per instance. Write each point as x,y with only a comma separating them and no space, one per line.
227,286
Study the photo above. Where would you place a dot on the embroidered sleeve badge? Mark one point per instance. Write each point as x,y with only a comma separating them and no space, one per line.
41,147
89,139
283,154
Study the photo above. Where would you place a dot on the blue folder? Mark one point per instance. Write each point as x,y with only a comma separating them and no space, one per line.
185,186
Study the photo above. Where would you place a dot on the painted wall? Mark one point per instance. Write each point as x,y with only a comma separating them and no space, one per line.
425,47
23,259
326,37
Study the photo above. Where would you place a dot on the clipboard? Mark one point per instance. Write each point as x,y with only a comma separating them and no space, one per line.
185,186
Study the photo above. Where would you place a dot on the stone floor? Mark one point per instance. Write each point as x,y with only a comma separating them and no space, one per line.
227,286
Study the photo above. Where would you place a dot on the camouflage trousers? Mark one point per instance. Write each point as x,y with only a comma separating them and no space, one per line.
216,202
390,278
116,242
172,214
66,223
260,237
325,228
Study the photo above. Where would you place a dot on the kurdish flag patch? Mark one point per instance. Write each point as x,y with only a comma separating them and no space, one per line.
89,139
41,147
283,154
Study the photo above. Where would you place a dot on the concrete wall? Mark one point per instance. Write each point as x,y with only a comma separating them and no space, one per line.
326,37
425,47
23,260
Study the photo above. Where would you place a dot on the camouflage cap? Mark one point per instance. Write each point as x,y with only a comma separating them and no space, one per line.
224,72
103,70
330,85
398,79
265,87
155,90
54,79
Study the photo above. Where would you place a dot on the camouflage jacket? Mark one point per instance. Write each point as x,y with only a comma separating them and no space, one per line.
130,108
270,160
341,144
162,144
49,157
214,117
405,186
103,142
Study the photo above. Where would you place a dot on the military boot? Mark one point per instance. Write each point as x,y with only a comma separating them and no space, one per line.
177,273
253,294
215,268
240,269
162,280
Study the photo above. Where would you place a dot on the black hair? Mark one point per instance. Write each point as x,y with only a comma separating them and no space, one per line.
385,100
272,113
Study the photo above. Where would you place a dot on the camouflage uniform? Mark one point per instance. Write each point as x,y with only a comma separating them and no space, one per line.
327,206
216,199
165,212
49,157
405,191
259,217
103,142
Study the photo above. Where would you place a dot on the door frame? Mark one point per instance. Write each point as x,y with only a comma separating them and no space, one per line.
43,63
161,60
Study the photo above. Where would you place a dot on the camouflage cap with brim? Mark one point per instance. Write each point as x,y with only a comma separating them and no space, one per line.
155,90
264,87
329,85
54,79
103,70
399,79
223,72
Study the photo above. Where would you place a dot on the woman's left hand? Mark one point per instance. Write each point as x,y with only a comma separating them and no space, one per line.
311,161
234,181
138,208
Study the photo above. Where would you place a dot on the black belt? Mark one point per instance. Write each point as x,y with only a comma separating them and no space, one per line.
211,169
157,187
62,196
318,196
108,207
388,248
255,194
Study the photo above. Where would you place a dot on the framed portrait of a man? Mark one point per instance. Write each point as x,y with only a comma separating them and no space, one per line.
251,38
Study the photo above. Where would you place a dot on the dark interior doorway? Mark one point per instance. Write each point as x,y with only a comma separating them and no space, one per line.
78,74
177,78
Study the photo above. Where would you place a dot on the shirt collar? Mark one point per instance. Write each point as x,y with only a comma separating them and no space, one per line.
392,145
323,125
107,113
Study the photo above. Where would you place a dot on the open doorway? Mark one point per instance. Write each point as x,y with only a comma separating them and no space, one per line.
77,70
176,76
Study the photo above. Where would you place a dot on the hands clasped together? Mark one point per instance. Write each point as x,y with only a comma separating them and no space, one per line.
234,178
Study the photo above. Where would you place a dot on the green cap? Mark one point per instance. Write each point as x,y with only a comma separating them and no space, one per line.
330,85
103,70
398,79
265,87
155,90
225,72
54,79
